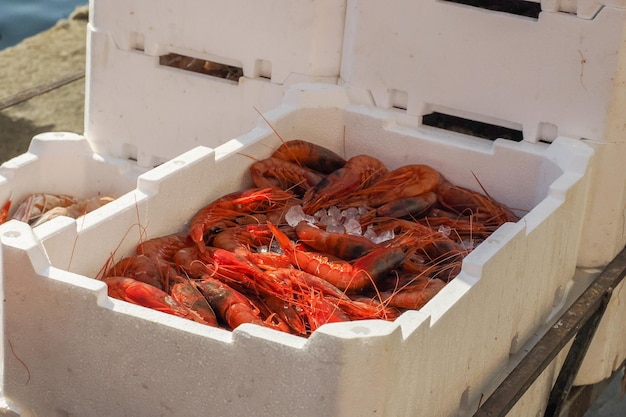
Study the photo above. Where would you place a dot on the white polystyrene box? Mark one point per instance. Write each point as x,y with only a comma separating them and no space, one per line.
70,348
604,232
65,163
559,74
302,37
560,67
136,108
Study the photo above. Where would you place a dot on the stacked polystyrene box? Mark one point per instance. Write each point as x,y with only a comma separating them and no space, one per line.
71,349
561,74
134,98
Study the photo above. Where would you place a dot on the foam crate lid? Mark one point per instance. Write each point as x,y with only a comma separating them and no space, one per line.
299,37
349,369
557,75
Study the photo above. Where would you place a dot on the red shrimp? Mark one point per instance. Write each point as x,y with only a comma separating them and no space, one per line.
309,155
426,249
194,263
321,310
278,173
359,172
161,251
226,209
140,293
139,267
465,227
4,211
245,236
187,294
414,295
251,242
305,283
232,306
241,272
342,245
406,181
412,207
282,315
466,202
364,272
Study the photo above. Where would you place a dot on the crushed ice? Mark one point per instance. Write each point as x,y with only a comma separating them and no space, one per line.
337,221
295,215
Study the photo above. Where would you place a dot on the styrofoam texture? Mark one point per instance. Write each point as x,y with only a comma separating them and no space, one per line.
291,36
535,399
603,237
558,75
68,347
136,108
604,230
585,9
607,351
64,163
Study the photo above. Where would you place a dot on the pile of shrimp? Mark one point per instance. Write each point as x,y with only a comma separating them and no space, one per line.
39,208
273,255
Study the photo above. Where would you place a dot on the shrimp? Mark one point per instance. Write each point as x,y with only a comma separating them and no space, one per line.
364,272
314,300
408,206
241,272
306,283
464,226
232,238
275,172
321,311
33,206
309,155
445,267
251,242
79,208
140,293
161,251
282,315
359,172
4,211
481,208
191,262
139,267
415,294
232,306
187,294
225,210
426,249
342,245
406,181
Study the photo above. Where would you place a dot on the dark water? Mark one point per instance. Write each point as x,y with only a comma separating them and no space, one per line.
20,19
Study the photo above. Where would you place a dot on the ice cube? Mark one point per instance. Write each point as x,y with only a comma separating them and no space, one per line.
295,215
353,227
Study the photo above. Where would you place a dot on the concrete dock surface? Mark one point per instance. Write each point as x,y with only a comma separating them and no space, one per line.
34,65
57,56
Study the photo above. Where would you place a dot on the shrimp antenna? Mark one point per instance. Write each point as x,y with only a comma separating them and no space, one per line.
481,185
269,124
